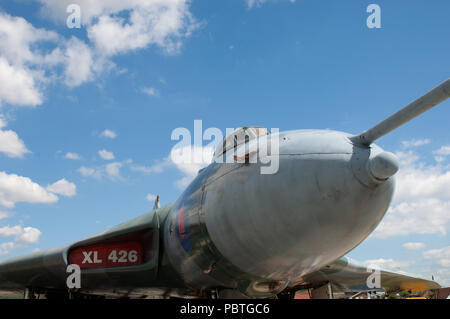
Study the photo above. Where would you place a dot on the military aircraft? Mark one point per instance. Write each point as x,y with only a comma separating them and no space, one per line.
235,232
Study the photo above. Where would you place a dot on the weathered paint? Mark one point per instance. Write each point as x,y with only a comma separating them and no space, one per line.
350,275
234,228
320,212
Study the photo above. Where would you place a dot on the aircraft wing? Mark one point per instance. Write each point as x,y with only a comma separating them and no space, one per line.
103,274
349,275
123,256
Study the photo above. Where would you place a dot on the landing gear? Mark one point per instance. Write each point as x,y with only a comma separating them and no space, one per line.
29,294
290,294
56,294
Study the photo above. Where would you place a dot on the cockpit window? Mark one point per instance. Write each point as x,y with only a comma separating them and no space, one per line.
240,136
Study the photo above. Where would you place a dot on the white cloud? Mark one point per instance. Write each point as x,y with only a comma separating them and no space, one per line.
158,167
437,253
19,86
104,154
89,172
416,143
30,235
10,143
189,160
63,187
387,263
27,67
183,182
444,150
441,256
439,159
113,170
413,246
145,169
5,248
21,59
72,156
117,26
150,91
14,188
23,235
160,22
423,216
79,63
4,214
442,276
442,153
150,197
113,27
407,159
421,202
258,3
19,40
255,3
109,134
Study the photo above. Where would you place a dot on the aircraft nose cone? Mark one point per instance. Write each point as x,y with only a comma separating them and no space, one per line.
383,165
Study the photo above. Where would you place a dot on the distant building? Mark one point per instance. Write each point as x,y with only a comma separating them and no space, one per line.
442,293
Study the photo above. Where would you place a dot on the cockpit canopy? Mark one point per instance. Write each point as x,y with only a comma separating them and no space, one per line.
240,136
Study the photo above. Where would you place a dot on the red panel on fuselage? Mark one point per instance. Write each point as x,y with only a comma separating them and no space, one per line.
107,256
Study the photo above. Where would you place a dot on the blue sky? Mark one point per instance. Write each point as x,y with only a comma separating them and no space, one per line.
278,64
